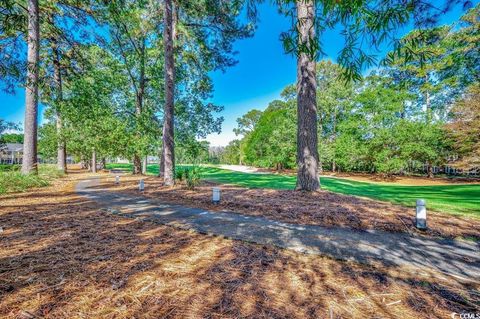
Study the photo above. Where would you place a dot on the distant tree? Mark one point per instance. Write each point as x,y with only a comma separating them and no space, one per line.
247,122
48,141
231,155
11,138
335,99
272,142
465,129
4,125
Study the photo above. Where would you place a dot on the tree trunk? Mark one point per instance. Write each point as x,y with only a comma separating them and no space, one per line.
137,162
30,162
83,162
429,170
168,129
334,166
61,145
93,166
428,108
161,162
104,163
307,139
144,166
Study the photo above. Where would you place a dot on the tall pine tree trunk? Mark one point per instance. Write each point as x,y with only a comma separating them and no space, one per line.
29,164
93,166
428,119
168,129
137,162
307,139
61,145
161,162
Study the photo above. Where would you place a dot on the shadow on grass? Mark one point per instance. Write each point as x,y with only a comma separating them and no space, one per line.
454,199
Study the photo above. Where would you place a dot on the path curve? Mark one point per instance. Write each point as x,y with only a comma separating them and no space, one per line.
457,258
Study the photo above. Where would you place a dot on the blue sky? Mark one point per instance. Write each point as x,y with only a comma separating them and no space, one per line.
260,75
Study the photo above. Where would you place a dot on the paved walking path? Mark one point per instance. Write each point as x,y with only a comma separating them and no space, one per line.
456,258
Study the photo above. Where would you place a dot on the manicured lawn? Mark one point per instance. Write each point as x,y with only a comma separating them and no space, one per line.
455,199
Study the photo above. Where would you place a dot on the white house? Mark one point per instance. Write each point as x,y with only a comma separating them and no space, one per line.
11,153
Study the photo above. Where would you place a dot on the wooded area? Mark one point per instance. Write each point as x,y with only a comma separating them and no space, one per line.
132,78
407,115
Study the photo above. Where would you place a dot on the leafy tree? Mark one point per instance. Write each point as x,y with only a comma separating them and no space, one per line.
465,129
11,137
48,141
231,154
247,122
4,125
272,142
203,32
334,102
136,42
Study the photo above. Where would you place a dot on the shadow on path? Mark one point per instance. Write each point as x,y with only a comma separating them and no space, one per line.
457,258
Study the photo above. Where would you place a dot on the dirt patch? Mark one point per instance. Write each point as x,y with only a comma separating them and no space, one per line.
63,257
321,208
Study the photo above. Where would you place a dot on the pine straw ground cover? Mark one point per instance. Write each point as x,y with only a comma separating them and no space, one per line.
61,256
321,208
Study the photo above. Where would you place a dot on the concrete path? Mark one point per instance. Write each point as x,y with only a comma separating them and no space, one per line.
457,258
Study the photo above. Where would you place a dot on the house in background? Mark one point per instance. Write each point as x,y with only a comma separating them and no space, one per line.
11,153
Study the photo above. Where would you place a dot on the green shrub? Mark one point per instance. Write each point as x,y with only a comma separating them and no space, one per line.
192,177
14,181
179,174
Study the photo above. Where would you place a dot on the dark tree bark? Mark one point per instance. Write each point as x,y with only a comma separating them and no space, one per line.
93,166
307,139
61,146
30,161
137,165
168,129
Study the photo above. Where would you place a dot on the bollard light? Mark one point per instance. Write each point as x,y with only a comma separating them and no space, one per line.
421,216
141,186
117,179
216,195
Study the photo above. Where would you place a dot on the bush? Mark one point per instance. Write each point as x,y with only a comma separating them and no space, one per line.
14,181
179,173
191,176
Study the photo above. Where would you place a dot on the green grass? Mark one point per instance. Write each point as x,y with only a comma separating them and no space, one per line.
455,199
8,168
12,181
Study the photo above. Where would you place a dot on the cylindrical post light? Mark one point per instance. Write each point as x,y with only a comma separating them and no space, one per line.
216,195
117,180
421,216
141,186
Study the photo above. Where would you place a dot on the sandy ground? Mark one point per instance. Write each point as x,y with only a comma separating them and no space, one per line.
63,257
370,178
322,208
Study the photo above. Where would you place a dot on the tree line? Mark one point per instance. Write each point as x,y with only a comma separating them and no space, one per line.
130,78
405,116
